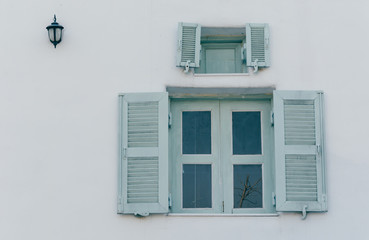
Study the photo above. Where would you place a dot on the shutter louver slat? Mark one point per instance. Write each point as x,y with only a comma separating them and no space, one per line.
188,45
143,172
301,168
144,163
143,132
299,151
143,124
257,43
299,122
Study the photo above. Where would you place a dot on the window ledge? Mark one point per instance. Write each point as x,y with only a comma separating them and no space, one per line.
220,93
219,74
222,215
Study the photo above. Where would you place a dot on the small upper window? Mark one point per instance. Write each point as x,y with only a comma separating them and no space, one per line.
223,50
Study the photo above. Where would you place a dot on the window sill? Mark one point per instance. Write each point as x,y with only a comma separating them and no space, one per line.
222,215
220,74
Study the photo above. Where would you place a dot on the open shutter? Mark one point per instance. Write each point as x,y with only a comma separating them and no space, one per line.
257,45
188,51
299,151
143,178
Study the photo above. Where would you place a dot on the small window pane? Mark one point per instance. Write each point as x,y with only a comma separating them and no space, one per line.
220,61
246,129
247,183
196,132
196,186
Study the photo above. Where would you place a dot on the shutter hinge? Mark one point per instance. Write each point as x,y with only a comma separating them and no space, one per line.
120,204
256,65
200,53
179,45
124,153
243,53
170,200
273,199
187,66
304,213
169,120
324,202
141,214
318,149
272,118
324,198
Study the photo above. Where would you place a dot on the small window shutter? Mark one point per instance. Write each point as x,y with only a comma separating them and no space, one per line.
299,151
188,51
257,45
143,169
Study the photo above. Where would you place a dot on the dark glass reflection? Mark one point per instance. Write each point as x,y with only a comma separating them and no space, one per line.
246,131
196,186
248,184
196,132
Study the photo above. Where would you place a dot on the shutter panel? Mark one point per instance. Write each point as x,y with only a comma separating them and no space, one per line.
188,50
143,183
299,151
257,45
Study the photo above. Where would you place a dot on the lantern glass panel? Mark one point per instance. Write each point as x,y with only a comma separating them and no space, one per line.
51,34
58,33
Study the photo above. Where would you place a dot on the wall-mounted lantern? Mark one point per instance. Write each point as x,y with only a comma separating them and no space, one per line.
55,32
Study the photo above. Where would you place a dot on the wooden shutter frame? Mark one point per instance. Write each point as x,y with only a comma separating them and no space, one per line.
281,150
249,47
196,61
144,209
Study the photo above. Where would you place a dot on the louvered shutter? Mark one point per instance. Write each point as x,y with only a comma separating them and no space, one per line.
188,50
143,183
299,151
257,45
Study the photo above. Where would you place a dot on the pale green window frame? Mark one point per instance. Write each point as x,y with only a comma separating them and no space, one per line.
252,50
237,63
222,164
285,106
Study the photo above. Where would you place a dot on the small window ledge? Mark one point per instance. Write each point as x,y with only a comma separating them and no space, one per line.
220,74
222,215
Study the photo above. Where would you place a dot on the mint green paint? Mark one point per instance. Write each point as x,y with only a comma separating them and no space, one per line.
299,151
143,163
298,146
221,58
177,159
188,46
221,158
223,50
257,45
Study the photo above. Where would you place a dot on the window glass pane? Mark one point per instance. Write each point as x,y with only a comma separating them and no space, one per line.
220,61
196,132
246,129
196,186
247,183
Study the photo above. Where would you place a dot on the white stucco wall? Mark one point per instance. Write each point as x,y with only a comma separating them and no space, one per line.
59,110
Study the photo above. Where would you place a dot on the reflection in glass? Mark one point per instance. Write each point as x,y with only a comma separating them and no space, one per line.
246,133
196,186
196,132
247,183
